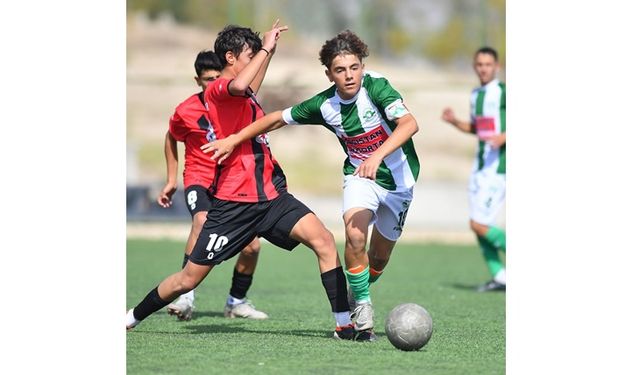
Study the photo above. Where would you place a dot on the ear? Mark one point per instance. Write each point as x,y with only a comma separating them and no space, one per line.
197,80
230,57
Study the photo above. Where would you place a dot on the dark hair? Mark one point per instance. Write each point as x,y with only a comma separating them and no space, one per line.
346,42
207,60
488,51
233,38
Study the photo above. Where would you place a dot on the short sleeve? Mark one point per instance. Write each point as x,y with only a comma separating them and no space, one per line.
220,91
307,112
177,127
384,96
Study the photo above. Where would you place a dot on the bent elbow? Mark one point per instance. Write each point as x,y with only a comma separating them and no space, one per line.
416,128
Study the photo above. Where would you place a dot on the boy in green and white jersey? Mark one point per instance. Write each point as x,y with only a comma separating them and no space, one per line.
374,128
487,185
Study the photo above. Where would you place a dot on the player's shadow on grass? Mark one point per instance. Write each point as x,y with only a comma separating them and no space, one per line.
207,314
470,287
235,328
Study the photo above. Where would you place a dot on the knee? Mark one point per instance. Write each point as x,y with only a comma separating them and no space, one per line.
356,239
477,228
325,239
187,282
198,221
252,249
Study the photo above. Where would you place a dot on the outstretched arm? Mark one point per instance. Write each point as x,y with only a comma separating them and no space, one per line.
449,116
258,62
171,159
407,127
224,147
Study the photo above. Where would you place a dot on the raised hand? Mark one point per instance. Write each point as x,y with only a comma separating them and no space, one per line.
270,38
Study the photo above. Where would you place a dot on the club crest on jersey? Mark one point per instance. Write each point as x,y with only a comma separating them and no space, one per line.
368,114
211,136
263,138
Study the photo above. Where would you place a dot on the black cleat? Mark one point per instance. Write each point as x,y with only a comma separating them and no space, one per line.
366,335
344,333
492,286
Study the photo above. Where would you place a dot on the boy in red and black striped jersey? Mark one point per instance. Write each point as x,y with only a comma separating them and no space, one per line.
190,125
249,190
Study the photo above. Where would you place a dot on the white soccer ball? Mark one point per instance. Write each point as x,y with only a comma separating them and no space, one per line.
409,326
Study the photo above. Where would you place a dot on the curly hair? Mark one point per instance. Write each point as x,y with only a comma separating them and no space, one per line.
233,38
346,42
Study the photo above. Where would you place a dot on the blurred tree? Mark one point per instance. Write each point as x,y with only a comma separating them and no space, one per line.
460,28
471,24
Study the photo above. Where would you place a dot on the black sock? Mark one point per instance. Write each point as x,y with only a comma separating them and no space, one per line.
184,261
335,284
240,284
150,304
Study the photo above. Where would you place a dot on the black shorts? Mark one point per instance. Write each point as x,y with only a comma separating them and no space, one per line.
197,198
231,226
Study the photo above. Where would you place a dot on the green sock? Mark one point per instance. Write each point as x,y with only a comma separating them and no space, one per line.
359,283
490,254
497,237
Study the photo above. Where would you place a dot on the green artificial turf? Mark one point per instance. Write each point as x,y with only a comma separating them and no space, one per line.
468,336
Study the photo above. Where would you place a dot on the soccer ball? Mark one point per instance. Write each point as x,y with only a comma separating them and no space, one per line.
408,326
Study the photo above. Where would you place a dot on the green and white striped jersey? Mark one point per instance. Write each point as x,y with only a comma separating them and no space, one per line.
362,124
489,115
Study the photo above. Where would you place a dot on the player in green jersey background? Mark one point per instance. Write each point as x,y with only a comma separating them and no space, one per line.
487,185
374,128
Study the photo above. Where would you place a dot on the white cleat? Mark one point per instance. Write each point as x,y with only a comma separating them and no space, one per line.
243,310
131,321
363,316
182,308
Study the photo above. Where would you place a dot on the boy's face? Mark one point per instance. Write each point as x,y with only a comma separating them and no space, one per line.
346,72
486,67
206,77
239,62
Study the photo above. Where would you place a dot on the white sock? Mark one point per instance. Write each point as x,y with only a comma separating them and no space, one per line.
342,318
501,276
234,301
191,295
131,320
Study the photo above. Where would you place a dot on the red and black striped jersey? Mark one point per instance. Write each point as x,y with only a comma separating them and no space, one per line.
250,173
190,124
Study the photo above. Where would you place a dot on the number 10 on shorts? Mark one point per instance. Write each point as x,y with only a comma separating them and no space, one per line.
215,243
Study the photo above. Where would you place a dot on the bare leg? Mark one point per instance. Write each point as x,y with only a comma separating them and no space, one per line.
479,229
184,281
310,231
196,227
356,221
379,250
248,258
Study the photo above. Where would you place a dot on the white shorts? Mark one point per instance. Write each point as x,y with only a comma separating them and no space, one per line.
389,207
486,196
